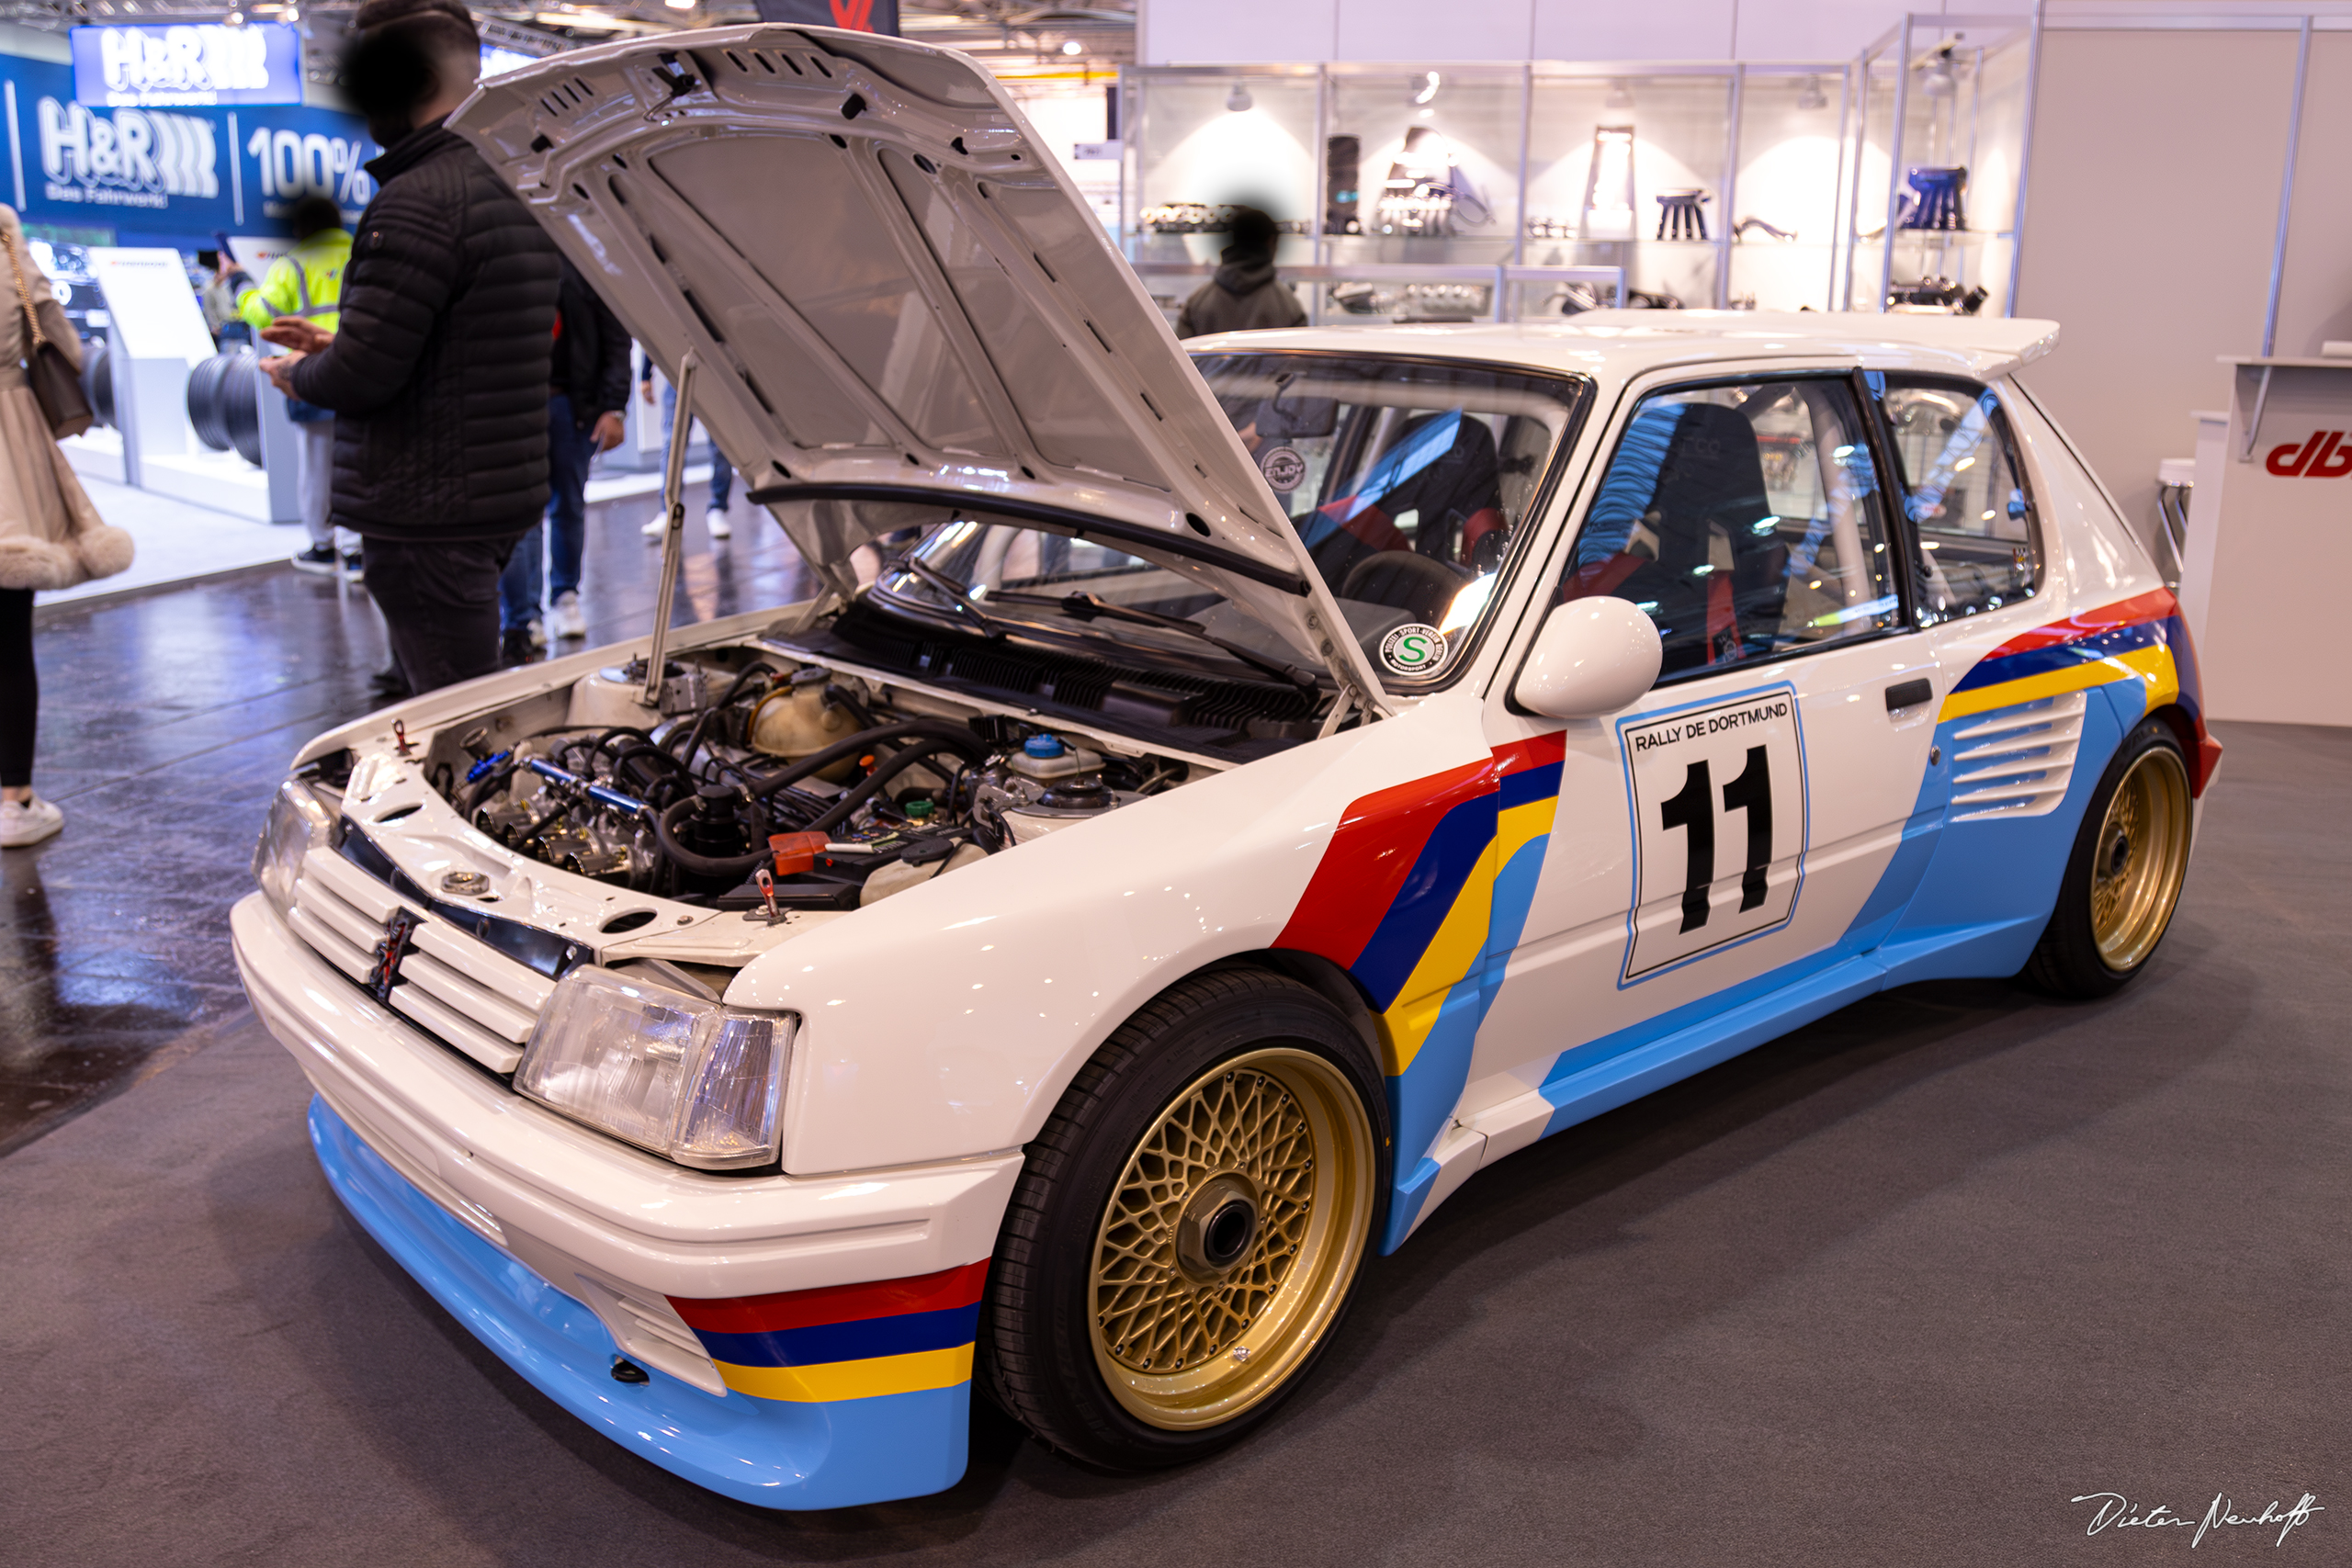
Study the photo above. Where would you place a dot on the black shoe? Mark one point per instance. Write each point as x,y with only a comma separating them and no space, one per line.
514,646
391,685
353,571
319,559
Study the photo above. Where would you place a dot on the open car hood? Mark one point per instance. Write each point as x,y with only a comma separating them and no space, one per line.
895,300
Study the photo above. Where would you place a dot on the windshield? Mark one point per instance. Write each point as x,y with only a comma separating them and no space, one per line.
1408,482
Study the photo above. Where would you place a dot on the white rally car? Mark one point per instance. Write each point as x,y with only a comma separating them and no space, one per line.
1252,792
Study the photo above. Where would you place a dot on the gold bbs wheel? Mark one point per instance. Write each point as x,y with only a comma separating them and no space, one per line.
2140,859
1231,1238
2124,872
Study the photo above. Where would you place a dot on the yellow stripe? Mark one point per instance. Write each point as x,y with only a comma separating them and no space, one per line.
2156,667
2152,665
1460,939
853,1380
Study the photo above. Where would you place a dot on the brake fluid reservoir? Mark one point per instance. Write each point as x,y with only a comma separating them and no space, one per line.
1049,757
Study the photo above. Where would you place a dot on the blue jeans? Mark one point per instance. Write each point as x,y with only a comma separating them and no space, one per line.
521,586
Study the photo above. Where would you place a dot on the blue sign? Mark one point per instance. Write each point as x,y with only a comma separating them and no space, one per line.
171,176
192,65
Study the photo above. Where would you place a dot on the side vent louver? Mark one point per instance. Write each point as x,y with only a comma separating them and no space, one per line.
2018,762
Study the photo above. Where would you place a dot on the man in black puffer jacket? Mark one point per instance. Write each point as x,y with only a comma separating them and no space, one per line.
439,369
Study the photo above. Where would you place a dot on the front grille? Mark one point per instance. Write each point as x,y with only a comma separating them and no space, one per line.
457,988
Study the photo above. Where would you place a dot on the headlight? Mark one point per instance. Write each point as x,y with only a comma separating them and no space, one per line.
698,1082
297,820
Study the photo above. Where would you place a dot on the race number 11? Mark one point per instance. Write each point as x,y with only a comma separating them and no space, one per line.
1719,825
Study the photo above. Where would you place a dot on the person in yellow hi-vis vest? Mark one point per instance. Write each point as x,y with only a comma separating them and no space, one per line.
307,281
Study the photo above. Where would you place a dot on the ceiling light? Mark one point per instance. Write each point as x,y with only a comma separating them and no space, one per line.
1071,46
1621,95
1425,86
1935,77
236,19
1238,101
1811,97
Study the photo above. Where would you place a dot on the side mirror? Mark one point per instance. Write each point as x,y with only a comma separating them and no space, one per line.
1594,657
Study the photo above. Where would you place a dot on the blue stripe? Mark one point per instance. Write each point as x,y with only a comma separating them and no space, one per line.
1533,784
2063,655
1405,932
857,1341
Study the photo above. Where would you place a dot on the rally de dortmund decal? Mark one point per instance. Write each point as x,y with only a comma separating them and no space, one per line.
1718,799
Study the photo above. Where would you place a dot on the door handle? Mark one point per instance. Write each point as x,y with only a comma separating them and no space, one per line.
1907,694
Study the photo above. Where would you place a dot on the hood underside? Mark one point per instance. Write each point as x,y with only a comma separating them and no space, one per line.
895,301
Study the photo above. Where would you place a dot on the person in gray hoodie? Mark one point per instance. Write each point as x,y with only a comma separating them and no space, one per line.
1245,294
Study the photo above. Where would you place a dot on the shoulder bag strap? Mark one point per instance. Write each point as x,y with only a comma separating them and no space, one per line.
24,294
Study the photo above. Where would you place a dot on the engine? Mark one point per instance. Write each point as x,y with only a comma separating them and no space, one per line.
768,783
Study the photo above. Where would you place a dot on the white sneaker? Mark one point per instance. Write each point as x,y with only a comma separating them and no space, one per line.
564,618
654,530
538,634
716,521
26,822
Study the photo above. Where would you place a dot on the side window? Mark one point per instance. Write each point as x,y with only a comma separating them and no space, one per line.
1965,493
1745,519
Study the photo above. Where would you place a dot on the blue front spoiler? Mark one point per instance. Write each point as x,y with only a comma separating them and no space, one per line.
774,1453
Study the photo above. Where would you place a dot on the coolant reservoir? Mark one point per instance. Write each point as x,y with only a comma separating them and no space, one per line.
793,722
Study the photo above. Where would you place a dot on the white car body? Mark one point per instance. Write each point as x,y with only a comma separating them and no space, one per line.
1527,982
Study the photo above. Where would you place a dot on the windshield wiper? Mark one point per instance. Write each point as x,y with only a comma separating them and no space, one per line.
958,595
1087,607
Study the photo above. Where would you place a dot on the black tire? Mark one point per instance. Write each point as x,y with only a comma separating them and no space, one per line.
2124,873
1235,1038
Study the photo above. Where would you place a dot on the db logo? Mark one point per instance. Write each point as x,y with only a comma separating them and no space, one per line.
2326,455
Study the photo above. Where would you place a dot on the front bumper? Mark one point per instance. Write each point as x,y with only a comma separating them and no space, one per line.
561,1249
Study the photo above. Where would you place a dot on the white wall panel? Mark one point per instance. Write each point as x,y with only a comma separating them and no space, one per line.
1660,30
1413,30
2137,132
1235,32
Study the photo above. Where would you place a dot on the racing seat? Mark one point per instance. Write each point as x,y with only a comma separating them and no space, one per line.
1455,491
1692,556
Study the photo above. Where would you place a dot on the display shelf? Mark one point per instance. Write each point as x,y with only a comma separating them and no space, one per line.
1938,92
1564,163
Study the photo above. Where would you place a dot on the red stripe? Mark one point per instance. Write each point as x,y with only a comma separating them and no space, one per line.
1535,751
2151,606
1378,840
835,1304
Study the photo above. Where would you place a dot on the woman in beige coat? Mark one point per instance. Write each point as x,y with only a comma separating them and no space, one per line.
50,536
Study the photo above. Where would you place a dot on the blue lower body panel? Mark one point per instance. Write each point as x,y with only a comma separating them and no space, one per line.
774,1453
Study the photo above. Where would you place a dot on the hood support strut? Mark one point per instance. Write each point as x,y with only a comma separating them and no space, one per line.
674,499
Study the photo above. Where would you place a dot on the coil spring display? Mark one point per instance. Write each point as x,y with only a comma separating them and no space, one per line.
224,404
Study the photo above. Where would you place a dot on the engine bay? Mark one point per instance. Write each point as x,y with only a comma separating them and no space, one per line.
766,781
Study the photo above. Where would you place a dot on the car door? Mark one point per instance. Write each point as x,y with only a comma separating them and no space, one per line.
1737,833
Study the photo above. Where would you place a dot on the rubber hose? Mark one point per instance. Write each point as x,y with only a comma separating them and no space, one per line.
841,696
666,826
702,719
666,833
956,736
883,773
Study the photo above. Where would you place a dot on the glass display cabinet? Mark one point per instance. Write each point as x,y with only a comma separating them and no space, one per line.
1424,193
1628,170
1201,141
1938,159
1788,181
